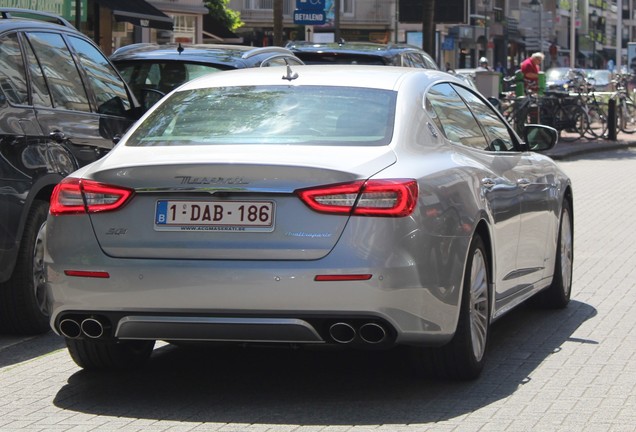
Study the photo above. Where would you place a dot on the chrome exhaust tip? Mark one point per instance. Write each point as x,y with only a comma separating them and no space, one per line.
92,328
372,333
69,328
342,332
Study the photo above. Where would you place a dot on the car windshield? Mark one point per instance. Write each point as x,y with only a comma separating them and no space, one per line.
340,58
306,115
556,74
599,76
160,75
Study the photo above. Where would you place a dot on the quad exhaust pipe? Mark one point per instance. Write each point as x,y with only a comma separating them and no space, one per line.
342,332
90,327
370,333
70,328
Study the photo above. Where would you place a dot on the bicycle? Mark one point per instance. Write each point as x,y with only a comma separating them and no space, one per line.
596,110
565,113
625,107
517,110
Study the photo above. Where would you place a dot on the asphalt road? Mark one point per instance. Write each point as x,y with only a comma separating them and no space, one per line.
568,370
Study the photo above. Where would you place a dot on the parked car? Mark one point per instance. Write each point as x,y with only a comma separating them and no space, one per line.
353,206
564,79
153,70
600,79
468,75
61,105
362,53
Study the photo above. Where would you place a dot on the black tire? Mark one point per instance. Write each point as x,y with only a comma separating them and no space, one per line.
598,121
23,298
464,356
572,123
557,295
109,355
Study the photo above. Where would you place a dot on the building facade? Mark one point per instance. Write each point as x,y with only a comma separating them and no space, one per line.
504,31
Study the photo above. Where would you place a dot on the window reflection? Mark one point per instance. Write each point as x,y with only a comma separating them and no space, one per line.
60,71
12,76
458,123
104,81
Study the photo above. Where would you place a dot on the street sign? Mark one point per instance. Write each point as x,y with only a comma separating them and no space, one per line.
310,5
306,17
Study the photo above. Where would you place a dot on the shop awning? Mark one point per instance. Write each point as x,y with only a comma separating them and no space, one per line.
138,12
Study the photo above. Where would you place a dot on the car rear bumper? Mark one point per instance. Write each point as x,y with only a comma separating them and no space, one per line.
412,294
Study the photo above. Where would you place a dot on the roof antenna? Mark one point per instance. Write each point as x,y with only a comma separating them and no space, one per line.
290,75
179,48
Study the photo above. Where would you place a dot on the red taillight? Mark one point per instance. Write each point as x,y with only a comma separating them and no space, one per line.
342,278
87,274
73,195
394,198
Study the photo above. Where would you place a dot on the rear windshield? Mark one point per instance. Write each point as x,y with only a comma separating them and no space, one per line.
306,115
341,58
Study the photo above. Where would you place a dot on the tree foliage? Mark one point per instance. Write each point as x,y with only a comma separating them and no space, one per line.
220,11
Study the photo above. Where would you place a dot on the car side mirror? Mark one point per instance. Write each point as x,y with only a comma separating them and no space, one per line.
540,138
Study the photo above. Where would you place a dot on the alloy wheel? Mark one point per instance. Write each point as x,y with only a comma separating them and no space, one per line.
479,304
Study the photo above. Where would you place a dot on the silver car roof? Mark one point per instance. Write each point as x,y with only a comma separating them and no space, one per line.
380,77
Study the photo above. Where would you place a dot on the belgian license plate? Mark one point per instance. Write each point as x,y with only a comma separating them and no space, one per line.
245,216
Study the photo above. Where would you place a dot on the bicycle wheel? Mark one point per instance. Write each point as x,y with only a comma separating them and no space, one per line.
627,116
572,122
518,116
598,121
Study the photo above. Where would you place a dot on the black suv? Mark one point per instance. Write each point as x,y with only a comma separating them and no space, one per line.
62,105
366,53
153,70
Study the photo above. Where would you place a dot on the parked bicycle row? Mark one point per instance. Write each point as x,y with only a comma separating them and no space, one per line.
580,112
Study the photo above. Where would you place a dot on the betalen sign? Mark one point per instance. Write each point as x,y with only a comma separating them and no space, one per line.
309,12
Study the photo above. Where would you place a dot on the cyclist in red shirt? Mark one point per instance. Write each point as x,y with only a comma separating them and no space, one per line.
530,68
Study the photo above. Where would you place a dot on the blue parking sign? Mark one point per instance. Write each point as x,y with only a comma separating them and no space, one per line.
309,17
310,5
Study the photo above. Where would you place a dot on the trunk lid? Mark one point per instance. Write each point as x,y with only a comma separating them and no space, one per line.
238,203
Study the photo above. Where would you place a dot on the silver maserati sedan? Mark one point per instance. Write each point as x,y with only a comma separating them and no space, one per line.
360,206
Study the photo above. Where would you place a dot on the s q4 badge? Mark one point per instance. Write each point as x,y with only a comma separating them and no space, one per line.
117,231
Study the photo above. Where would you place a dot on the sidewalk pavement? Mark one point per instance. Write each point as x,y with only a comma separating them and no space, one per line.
564,150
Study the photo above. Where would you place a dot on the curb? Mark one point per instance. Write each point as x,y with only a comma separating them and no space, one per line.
577,148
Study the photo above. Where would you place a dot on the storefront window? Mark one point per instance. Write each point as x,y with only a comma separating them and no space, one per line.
123,34
184,28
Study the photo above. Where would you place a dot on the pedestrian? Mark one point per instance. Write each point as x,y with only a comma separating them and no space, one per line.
483,64
530,68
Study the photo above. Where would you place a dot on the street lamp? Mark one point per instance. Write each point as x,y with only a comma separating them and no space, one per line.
486,9
594,37
537,6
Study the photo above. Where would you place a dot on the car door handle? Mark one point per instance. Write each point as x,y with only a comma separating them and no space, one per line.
523,183
57,136
488,183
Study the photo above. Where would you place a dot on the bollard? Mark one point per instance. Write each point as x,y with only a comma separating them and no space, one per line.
611,119
520,88
541,82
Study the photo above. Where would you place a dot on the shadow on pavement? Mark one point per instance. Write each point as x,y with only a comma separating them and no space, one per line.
16,349
310,387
